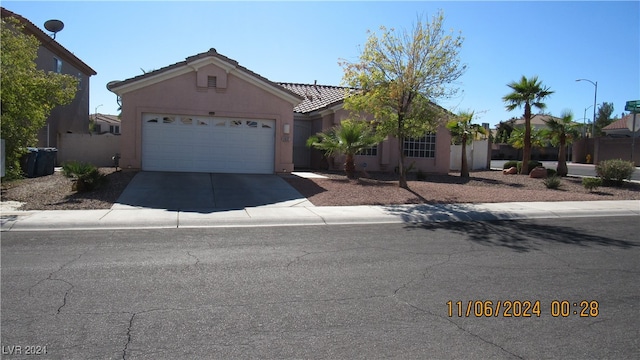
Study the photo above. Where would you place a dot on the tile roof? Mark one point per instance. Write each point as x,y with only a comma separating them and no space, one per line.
109,119
537,119
211,53
621,124
49,43
315,96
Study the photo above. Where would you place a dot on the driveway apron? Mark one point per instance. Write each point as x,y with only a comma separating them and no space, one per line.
207,192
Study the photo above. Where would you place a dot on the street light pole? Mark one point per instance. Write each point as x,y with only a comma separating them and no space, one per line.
95,116
595,96
584,124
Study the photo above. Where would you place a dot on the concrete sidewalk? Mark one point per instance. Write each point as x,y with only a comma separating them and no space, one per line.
300,215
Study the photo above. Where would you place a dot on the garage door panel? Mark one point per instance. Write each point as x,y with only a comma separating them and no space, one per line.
207,144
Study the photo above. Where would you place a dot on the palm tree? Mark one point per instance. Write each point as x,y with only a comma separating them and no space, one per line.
348,138
528,93
562,132
463,132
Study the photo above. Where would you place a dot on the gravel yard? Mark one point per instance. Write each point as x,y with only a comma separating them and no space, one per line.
54,192
482,187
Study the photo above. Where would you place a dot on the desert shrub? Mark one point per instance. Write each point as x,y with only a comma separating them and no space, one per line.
86,176
551,172
510,164
552,182
532,165
614,172
591,183
74,169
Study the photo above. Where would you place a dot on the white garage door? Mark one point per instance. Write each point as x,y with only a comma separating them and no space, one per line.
207,144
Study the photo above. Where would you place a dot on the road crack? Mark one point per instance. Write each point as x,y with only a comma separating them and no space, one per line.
51,277
194,264
462,329
126,346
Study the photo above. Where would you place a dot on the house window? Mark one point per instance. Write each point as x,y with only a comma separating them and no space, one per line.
114,129
212,81
372,151
96,128
57,65
423,147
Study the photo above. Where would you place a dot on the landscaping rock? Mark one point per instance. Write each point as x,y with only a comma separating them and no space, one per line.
538,173
510,171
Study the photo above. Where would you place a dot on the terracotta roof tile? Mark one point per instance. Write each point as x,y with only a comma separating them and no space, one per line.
315,96
620,124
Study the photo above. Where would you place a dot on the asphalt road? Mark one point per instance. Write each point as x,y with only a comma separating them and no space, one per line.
574,168
373,291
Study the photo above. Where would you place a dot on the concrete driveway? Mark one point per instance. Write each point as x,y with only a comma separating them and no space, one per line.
202,192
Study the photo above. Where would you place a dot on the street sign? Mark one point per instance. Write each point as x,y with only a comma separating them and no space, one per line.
633,106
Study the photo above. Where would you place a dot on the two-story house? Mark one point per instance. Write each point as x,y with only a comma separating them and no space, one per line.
71,118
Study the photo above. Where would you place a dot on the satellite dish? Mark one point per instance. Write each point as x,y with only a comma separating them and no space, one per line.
54,26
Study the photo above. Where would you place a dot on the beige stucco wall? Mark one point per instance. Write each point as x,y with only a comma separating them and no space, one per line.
95,149
182,95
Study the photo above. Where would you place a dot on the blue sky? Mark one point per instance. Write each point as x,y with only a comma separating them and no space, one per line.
303,41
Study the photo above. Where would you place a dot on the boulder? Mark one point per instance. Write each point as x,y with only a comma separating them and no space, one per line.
538,173
510,171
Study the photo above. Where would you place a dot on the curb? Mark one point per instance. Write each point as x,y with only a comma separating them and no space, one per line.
117,219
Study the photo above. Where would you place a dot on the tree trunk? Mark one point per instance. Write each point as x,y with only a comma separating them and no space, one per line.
350,166
562,169
464,166
526,149
402,181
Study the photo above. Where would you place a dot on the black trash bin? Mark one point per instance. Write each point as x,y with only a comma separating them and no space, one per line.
40,162
28,162
49,160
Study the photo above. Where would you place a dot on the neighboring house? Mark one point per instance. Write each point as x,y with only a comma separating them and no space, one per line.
322,108
209,114
103,124
537,122
620,128
52,56
504,151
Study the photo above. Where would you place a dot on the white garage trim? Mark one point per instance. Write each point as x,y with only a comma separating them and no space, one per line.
207,144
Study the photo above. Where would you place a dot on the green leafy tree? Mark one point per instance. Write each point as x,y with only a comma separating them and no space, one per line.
603,117
503,132
562,132
516,139
348,138
526,93
464,132
27,94
398,76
